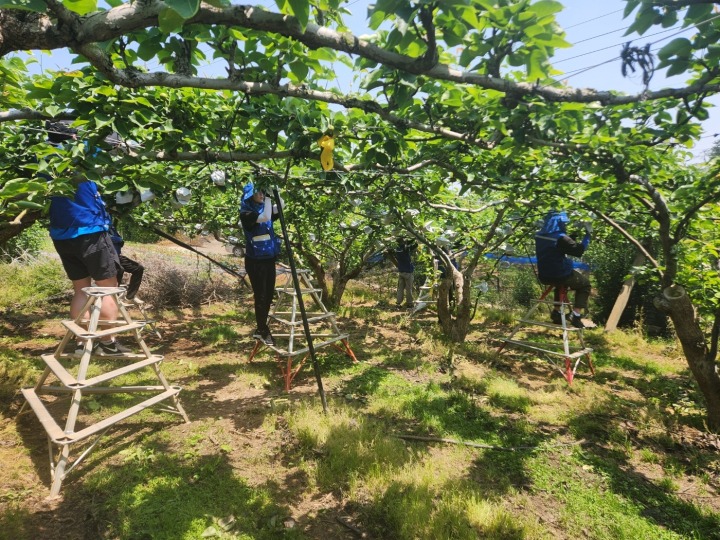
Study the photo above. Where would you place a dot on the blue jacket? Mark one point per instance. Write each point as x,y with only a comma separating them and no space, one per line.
83,214
260,239
552,244
404,259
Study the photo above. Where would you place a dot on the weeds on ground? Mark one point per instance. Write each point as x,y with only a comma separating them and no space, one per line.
33,281
598,459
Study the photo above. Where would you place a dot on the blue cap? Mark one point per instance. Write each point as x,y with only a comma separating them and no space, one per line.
248,191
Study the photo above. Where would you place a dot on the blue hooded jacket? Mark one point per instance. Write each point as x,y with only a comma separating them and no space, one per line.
83,214
551,246
260,239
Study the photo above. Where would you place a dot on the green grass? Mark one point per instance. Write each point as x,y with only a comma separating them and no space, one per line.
599,459
160,495
31,283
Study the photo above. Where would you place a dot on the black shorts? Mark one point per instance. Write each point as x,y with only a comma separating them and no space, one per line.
90,255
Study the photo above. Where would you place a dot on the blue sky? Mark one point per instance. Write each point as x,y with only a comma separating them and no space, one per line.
595,30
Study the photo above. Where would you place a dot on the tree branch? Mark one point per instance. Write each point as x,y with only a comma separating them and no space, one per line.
19,32
134,79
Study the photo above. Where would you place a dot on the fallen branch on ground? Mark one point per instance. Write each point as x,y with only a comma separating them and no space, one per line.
481,445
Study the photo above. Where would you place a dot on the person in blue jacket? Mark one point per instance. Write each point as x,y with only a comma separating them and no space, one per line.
552,246
79,230
405,268
262,248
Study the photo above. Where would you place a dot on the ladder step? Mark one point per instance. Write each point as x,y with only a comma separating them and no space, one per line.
83,333
123,356
71,382
305,350
311,319
103,291
553,303
114,419
534,347
120,322
154,359
302,291
58,436
59,371
53,430
550,325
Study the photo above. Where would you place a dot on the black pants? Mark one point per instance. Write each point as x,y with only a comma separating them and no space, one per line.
135,269
262,279
576,282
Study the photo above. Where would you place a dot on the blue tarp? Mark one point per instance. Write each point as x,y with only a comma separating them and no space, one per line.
530,260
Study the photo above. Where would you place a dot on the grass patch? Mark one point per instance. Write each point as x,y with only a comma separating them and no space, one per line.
507,394
31,281
592,488
162,496
599,459
221,333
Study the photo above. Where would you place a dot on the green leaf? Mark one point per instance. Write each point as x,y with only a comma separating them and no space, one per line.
678,67
299,69
29,5
454,36
184,8
301,10
535,65
170,20
702,114
391,147
149,47
30,205
545,7
677,47
642,23
82,7
698,12
630,5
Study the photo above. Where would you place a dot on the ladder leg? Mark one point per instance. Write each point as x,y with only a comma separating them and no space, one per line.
59,470
257,346
519,325
569,372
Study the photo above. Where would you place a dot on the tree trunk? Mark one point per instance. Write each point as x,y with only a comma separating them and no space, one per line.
677,304
455,323
319,274
337,292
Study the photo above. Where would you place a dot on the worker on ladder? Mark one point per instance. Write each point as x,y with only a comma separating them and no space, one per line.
552,246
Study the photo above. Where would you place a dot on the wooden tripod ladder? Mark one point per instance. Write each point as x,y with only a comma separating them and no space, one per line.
79,385
572,355
291,344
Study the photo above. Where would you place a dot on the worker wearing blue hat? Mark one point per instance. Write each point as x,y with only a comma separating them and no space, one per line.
262,247
552,246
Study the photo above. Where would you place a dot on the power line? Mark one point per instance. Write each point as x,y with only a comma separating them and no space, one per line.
594,19
579,71
677,32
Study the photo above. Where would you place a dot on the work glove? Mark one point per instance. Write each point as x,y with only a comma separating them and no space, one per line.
588,227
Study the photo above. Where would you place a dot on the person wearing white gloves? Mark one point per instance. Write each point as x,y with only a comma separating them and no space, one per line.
262,247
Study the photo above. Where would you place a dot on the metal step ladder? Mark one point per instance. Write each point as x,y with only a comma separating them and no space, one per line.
565,357
291,348
71,369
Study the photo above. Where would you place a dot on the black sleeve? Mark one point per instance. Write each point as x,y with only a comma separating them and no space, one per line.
248,218
570,247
